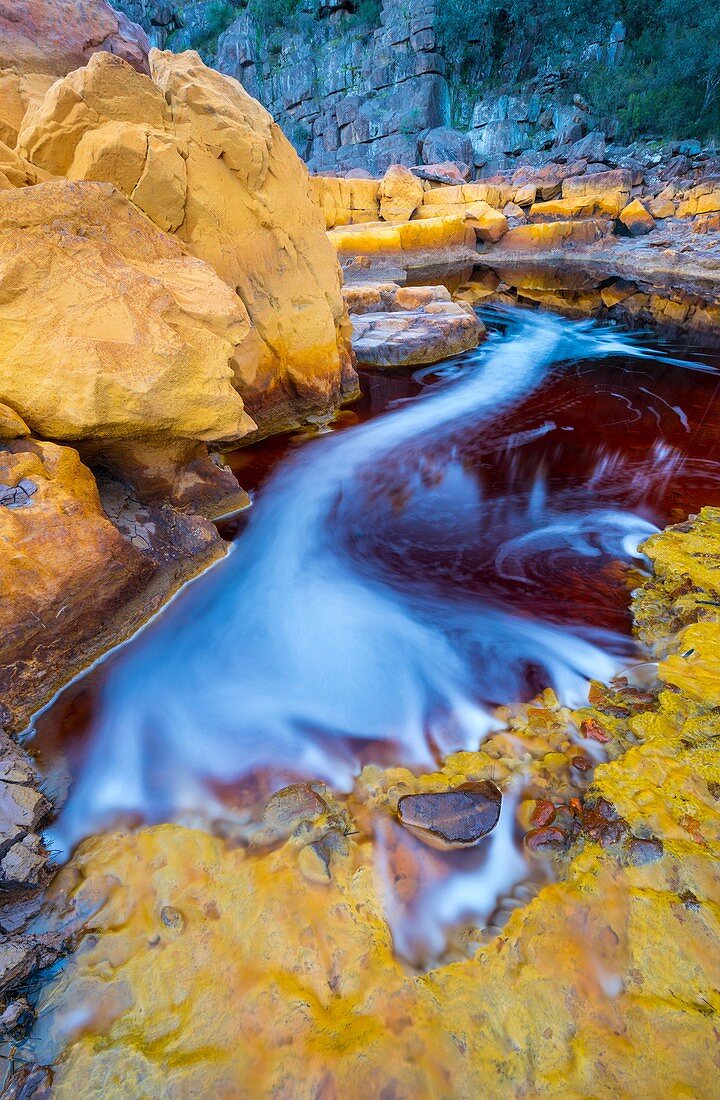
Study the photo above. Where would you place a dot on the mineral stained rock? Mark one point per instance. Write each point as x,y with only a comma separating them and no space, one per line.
55,36
18,92
207,164
408,326
108,328
64,569
452,818
400,194
200,979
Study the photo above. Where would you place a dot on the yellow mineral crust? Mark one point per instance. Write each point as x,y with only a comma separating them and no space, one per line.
209,970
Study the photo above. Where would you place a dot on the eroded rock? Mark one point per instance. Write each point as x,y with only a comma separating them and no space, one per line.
453,818
400,194
109,328
409,326
55,36
205,162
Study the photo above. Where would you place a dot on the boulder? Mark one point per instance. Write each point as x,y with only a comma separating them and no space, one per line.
450,172
637,219
55,36
206,162
597,184
589,148
409,326
108,328
18,92
64,569
445,144
400,194
661,207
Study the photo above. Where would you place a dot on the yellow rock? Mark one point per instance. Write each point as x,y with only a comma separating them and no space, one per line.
401,193
346,201
547,236
64,570
12,426
107,327
15,171
205,161
637,219
444,196
661,208
448,236
18,92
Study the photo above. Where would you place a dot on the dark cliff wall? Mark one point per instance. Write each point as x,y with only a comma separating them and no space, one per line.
366,83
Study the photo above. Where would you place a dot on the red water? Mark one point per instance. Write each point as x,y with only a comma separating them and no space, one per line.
625,435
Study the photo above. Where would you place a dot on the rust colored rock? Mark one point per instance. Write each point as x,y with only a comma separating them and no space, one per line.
454,818
637,219
549,838
55,36
543,814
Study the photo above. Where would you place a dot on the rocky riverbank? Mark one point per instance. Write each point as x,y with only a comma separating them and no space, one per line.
167,289
621,945
171,288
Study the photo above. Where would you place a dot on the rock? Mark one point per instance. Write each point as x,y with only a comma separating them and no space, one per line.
347,201
456,818
488,223
549,236
12,426
206,162
590,148
55,36
94,298
643,851
525,196
449,172
409,326
16,171
446,144
400,194
65,569
661,208
636,219
29,1082
416,243
512,210
18,92
597,185
180,473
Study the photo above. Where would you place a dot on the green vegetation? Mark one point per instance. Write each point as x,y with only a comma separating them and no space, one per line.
664,81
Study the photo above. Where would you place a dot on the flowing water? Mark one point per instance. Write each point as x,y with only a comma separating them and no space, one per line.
462,542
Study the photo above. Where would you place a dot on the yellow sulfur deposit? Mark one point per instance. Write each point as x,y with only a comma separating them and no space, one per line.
268,969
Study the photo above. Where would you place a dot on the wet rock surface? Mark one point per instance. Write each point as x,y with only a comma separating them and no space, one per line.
633,844
459,817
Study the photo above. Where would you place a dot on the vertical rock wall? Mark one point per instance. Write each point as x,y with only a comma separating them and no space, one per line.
349,93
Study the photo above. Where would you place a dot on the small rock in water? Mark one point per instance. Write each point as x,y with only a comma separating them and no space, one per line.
454,818
172,918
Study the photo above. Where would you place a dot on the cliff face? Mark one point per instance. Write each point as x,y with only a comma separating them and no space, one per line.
349,93
369,84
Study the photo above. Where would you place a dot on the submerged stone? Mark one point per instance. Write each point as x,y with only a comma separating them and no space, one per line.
453,818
